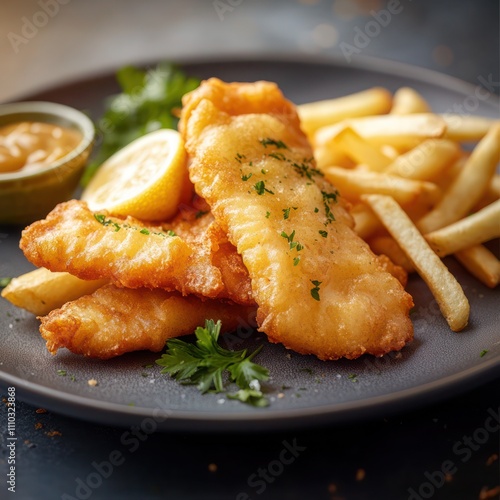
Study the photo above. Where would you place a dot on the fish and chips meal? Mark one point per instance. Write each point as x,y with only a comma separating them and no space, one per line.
305,220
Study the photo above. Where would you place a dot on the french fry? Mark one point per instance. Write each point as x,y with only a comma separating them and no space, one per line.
387,245
389,151
445,288
365,221
446,178
326,156
466,128
315,115
41,291
469,186
481,263
477,228
491,195
361,151
400,131
494,187
426,161
353,183
408,101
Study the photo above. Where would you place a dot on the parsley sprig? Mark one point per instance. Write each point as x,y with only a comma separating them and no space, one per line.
205,362
148,101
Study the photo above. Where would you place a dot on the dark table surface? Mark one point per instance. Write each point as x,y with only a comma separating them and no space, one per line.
447,450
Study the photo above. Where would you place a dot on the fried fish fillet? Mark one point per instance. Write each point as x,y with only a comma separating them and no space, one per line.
113,321
319,288
132,254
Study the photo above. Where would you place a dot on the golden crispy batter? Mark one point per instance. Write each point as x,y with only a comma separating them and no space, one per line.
113,321
397,271
199,229
133,254
318,287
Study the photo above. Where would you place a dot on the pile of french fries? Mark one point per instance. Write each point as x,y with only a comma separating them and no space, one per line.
417,193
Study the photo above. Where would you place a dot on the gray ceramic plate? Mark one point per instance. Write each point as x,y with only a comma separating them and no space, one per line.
303,390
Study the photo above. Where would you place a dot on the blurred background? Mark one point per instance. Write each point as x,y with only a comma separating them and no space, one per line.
46,42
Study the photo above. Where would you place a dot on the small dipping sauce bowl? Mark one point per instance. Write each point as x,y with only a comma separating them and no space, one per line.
52,171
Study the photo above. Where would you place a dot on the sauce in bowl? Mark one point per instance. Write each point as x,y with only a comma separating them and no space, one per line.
30,145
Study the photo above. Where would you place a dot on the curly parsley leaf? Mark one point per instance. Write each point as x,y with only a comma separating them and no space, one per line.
148,102
205,363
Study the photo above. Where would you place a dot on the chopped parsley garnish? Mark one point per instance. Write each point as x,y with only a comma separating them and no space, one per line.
288,237
108,222
293,244
204,364
239,157
483,352
246,177
272,142
305,170
316,210
268,214
327,198
352,377
63,373
4,282
277,156
323,233
315,290
296,261
286,212
260,187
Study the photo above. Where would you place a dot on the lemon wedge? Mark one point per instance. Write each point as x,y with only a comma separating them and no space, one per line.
145,179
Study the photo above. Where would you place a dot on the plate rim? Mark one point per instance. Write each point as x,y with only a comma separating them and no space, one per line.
118,414
362,62
110,412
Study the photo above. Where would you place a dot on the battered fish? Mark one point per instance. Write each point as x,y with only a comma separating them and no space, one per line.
131,254
319,288
113,321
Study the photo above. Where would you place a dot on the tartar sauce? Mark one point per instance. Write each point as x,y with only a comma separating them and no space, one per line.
33,145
